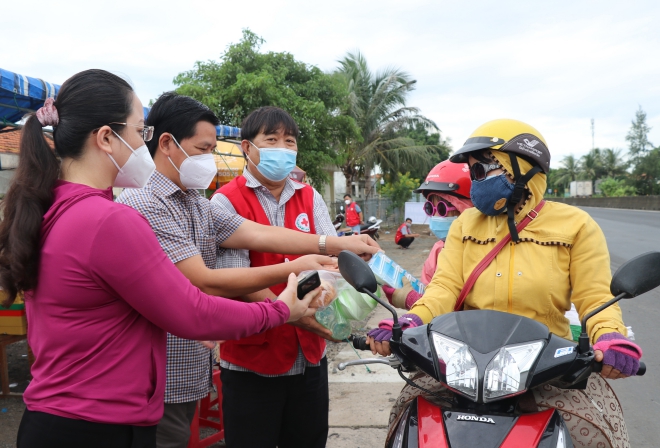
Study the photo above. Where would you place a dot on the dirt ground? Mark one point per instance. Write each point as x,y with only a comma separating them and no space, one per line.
11,409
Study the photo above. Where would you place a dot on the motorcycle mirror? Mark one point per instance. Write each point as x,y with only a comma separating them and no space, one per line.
637,276
357,272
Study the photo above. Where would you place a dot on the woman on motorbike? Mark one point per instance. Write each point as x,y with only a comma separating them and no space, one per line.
559,257
447,193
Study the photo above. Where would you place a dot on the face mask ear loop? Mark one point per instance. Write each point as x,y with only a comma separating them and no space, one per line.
179,146
127,145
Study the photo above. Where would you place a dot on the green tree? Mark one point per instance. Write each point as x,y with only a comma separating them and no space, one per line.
556,180
377,103
616,188
399,191
438,147
244,79
637,138
646,173
613,164
591,166
570,170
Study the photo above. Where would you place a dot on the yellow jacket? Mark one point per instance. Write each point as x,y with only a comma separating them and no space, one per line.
562,257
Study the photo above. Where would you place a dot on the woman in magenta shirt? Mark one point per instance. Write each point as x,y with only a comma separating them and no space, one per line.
100,292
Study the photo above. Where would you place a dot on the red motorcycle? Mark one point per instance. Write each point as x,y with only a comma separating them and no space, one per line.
487,360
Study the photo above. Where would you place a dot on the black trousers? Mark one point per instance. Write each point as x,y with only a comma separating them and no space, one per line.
406,241
283,411
41,430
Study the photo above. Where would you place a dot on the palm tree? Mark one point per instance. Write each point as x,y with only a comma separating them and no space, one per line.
613,164
592,167
570,170
377,103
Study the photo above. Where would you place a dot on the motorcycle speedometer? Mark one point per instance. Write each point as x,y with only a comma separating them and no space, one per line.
507,373
457,364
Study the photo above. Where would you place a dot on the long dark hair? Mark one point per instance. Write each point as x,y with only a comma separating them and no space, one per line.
86,101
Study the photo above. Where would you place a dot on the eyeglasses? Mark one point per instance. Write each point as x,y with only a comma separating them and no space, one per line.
441,209
479,170
147,131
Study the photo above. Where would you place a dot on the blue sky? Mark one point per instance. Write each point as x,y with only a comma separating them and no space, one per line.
555,65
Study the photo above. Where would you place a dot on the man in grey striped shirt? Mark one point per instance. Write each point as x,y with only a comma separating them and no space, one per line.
192,232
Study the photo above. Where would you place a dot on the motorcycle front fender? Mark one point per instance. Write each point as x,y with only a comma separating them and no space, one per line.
425,425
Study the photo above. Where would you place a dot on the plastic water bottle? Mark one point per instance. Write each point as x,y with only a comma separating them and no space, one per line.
333,319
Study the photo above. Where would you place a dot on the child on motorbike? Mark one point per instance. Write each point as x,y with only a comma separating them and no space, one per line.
447,193
559,257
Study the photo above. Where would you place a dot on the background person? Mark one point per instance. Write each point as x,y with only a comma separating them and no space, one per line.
274,393
193,233
447,193
99,291
404,236
559,257
354,217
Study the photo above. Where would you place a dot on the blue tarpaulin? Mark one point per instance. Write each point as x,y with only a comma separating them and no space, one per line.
20,94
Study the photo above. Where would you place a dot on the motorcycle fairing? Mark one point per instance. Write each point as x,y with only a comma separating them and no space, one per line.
485,332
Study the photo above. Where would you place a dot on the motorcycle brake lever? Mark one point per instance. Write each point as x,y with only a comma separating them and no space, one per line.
391,361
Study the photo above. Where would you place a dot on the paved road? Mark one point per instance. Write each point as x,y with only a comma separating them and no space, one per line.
630,233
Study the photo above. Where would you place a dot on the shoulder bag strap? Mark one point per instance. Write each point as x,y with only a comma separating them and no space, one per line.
483,264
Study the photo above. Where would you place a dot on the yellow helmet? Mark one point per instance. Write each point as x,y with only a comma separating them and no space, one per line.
510,136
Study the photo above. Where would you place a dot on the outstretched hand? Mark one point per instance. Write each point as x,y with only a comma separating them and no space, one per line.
315,263
310,324
362,245
297,308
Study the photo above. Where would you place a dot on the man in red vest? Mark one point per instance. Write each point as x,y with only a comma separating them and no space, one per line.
404,237
353,214
275,384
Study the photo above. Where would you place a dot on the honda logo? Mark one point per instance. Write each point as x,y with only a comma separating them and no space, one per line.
474,418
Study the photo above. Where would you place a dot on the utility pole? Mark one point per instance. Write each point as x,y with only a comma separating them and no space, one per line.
593,145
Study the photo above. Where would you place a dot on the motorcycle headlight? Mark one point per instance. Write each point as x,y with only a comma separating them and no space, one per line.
507,373
457,364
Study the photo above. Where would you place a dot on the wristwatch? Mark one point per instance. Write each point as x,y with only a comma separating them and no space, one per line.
322,249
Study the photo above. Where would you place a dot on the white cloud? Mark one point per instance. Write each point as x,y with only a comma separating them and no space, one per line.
555,65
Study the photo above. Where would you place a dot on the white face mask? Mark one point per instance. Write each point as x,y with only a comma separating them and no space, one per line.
137,170
348,202
196,172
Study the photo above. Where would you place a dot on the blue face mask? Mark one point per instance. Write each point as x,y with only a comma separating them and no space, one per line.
440,226
490,195
275,163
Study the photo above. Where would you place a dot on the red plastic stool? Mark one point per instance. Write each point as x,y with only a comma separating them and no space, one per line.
202,415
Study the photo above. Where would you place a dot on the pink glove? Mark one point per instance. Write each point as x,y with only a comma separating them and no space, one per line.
619,352
384,330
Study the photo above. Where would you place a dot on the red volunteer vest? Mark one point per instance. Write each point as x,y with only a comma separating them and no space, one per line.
273,352
352,217
399,234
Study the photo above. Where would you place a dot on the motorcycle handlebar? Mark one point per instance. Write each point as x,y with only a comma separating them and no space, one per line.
360,343
598,366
